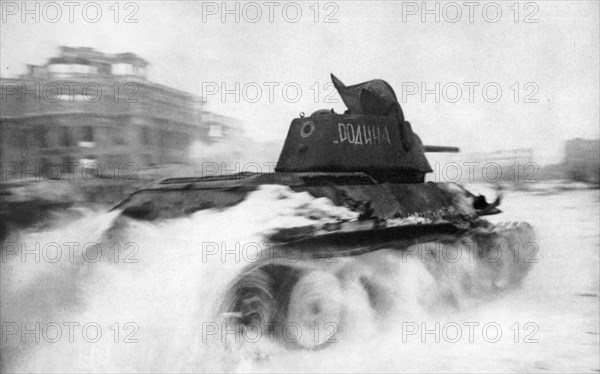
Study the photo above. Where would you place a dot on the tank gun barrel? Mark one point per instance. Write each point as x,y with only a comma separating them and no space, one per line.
440,148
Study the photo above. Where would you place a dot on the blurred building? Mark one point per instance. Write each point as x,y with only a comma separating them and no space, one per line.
510,166
220,127
86,106
229,147
582,160
504,158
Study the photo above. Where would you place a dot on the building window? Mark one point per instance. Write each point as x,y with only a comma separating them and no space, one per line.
40,135
215,130
71,68
103,68
145,136
67,164
122,69
88,161
117,137
65,139
22,140
148,160
88,134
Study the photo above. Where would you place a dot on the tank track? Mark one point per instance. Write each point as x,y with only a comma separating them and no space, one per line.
276,296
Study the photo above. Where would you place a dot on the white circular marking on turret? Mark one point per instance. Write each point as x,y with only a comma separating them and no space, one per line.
307,129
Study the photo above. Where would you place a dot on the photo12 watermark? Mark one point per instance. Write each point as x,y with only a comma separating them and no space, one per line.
289,332
469,331
486,172
85,171
70,252
68,91
69,332
69,11
526,12
469,92
270,11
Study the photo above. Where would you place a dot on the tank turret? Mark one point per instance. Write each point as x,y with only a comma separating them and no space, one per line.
371,137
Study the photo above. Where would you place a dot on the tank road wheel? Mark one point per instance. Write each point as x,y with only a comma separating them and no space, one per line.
315,310
251,303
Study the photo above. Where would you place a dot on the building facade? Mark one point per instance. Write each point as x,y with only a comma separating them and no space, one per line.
510,166
85,107
582,160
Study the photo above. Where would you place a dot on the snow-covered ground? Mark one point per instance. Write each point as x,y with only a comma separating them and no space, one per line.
155,302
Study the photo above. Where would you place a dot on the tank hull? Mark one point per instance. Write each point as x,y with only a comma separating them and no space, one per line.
176,197
391,219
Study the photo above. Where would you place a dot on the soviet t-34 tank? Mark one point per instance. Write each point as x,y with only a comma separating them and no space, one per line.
371,162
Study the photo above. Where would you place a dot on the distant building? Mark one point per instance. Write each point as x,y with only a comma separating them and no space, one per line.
582,160
511,166
220,127
505,158
87,106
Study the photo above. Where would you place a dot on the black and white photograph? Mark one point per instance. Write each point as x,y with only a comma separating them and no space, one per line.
347,186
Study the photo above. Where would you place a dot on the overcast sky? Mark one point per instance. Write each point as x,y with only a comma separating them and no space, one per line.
189,48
